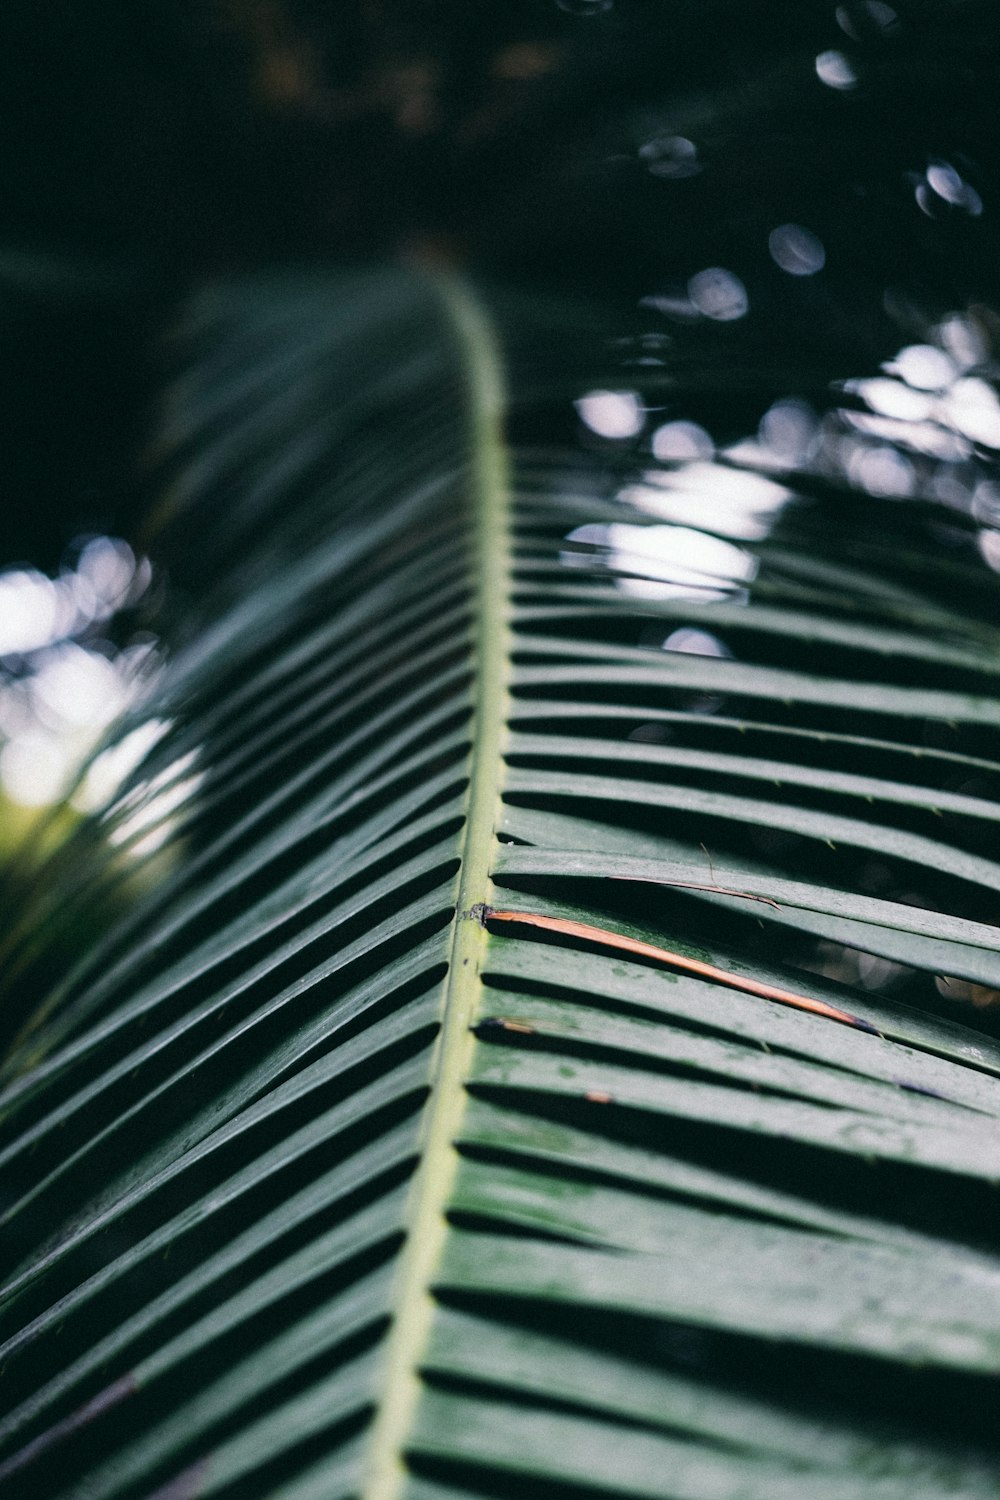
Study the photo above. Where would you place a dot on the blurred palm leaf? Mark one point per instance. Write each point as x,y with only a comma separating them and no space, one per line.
318,1187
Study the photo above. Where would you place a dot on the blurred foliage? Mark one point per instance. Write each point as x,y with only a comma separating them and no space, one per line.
321,1179
177,140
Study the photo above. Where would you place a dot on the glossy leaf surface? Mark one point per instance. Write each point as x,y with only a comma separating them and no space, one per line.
319,1183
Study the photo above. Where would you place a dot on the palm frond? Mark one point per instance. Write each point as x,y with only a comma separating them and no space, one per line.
321,1183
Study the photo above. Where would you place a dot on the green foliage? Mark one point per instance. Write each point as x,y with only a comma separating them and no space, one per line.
316,1185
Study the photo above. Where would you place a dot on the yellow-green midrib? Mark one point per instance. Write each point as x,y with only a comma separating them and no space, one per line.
413,1306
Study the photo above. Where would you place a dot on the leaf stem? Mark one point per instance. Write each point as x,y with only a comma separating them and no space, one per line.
413,1302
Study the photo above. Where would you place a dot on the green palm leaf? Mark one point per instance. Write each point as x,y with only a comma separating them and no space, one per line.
320,1183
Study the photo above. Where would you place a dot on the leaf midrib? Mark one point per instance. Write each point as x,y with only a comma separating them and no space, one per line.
412,1302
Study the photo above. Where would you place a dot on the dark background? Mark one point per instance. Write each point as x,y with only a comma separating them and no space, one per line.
147,147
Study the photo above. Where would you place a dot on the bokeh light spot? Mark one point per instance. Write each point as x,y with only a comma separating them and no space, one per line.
833,69
35,768
790,429
29,611
973,408
796,250
672,156
923,366
692,642
678,442
612,414
866,16
719,294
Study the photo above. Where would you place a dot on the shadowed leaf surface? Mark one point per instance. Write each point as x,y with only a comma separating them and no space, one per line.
317,1185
